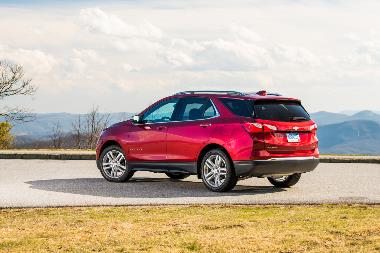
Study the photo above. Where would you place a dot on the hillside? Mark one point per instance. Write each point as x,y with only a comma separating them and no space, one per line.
326,118
43,124
350,137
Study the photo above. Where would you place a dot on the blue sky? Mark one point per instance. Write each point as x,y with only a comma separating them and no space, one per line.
124,55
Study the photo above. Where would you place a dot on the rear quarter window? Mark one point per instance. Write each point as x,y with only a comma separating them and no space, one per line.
239,107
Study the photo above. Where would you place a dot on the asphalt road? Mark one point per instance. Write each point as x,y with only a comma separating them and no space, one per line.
40,183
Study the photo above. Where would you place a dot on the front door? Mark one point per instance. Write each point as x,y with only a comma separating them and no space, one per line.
147,141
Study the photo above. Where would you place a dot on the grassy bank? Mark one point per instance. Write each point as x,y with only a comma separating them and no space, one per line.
192,228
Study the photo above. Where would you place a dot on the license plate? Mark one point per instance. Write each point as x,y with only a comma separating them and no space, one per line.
293,137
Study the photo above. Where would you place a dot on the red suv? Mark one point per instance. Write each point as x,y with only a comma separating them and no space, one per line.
220,136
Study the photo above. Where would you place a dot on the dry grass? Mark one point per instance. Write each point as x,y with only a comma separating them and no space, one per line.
192,228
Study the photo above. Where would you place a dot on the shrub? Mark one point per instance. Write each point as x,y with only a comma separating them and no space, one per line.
6,138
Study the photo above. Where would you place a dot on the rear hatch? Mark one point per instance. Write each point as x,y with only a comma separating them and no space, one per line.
287,127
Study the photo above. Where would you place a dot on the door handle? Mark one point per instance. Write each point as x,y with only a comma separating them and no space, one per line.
204,125
161,127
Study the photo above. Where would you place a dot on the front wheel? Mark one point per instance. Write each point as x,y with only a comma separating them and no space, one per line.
113,165
285,181
217,172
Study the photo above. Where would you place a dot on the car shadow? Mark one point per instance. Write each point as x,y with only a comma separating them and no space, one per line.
141,187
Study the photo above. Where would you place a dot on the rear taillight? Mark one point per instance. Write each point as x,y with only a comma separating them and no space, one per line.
313,127
259,128
269,128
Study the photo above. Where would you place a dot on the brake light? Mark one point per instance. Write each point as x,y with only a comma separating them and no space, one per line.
258,127
313,127
253,127
269,128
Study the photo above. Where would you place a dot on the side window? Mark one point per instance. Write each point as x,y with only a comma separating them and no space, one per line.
239,107
196,108
162,112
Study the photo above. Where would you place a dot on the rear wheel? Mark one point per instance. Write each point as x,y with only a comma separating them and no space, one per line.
285,181
113,165
177,176
217,172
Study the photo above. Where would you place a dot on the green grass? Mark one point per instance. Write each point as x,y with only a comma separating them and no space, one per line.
337,228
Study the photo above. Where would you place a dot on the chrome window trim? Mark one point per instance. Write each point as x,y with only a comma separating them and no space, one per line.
217,114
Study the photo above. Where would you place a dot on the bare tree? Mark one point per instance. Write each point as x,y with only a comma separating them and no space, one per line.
77,131
13,83
94,122
57,135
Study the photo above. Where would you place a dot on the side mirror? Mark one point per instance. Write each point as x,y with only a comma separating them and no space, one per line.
136,119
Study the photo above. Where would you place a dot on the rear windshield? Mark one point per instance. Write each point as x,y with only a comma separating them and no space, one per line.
268,110
280,111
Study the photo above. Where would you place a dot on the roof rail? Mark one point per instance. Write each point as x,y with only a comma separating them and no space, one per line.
274,94
228,92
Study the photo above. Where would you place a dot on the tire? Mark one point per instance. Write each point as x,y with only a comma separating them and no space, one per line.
114,173
177,176
213,169
285,182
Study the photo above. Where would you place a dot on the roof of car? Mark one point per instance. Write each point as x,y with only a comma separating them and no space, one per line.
260,95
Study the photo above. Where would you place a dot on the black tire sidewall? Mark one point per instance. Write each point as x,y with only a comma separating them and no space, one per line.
177,176
290,181
127,174
231,178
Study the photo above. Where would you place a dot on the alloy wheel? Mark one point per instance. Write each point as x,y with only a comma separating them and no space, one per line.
114,164
215,170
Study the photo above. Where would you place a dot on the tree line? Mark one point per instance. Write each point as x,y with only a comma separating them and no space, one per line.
84,132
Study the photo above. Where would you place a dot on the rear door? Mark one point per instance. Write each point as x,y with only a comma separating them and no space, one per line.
192,130
288,127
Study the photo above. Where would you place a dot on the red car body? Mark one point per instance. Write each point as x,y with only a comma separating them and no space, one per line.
256,147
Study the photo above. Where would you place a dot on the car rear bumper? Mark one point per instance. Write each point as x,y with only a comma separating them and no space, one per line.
275,166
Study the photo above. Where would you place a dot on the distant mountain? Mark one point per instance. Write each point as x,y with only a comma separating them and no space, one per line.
366,115
326,118
338,133
350,137
352,112
43,124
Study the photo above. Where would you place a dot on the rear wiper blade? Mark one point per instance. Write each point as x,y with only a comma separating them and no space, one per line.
298,118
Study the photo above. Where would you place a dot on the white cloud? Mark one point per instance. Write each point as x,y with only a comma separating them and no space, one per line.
366,50
136,44
129,53
97,20
88,54
34,61
178,58
129,68
295,55
369,51
245,33
242,50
